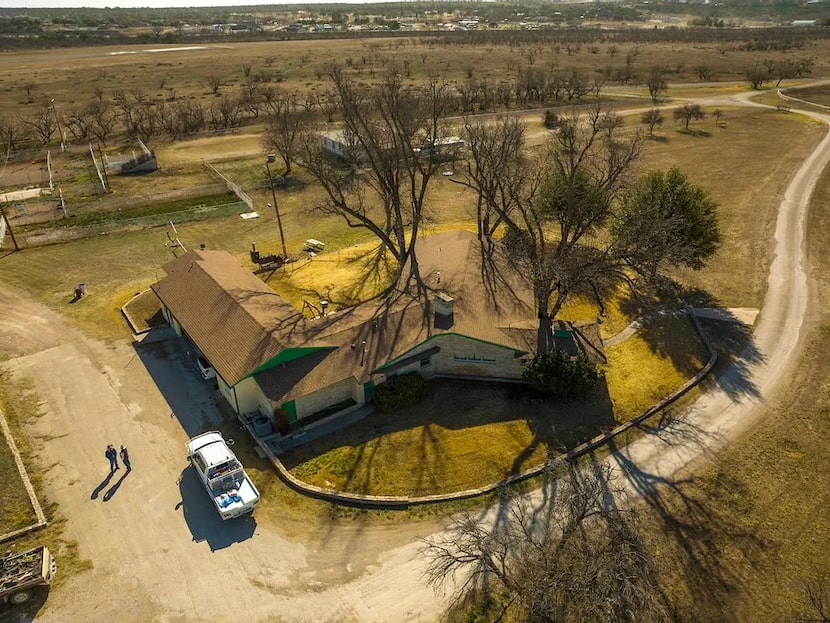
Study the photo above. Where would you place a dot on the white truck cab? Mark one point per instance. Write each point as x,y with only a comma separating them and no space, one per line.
225,479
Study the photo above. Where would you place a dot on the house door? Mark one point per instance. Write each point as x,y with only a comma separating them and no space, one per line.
290,409
368,390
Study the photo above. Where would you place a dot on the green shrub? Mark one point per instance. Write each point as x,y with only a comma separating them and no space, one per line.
400,392
561,375
551,120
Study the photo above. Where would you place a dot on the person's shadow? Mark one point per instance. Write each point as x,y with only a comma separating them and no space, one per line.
101,486
114,488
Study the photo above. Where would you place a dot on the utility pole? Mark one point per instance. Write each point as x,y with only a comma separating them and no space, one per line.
268,160
9,227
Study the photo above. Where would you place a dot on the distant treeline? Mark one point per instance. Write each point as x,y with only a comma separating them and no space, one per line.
65,27
757,39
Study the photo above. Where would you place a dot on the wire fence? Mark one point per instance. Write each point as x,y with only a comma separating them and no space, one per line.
64,234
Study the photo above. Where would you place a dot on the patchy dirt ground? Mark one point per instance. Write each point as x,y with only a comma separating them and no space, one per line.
159,551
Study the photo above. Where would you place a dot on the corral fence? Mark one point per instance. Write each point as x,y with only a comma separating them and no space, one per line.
43,210
232,186
56,235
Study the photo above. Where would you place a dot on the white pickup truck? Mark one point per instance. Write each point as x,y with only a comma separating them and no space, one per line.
232,491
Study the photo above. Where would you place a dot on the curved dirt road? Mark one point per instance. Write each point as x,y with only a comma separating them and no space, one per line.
159,553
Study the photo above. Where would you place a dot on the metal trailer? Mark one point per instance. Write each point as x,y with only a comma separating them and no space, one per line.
22,574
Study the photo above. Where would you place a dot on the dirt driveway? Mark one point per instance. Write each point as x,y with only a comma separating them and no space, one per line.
159,551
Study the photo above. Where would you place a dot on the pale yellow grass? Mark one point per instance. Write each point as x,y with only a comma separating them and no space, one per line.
652,364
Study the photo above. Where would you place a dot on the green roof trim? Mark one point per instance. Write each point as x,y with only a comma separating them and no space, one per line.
284,356
381,368
562,333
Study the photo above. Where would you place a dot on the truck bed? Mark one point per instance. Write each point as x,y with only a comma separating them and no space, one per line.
244,501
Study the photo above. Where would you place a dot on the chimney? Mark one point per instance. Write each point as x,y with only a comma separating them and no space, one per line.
444,305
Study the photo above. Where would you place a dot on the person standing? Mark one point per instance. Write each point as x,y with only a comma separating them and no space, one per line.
125,457
112,455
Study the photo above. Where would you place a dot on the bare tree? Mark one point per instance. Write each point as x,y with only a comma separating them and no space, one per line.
817,603
704,72
283,130
565,217
387,124
757,75
491,148
579,557
102,120
43,122
214,82
652,118
689,112
656,83
13,135
77,121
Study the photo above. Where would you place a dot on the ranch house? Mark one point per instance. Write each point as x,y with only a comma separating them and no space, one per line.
268,356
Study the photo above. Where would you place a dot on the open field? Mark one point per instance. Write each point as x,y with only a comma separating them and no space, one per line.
816,95
747,189
71,77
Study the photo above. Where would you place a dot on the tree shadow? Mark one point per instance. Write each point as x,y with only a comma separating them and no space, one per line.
729,337
705,537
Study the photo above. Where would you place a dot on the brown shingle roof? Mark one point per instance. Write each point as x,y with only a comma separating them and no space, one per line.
235,319
240,323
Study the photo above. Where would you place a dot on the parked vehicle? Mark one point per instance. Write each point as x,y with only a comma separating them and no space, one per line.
205,368
21,574
225,479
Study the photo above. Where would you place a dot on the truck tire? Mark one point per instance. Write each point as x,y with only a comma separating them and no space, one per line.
20,597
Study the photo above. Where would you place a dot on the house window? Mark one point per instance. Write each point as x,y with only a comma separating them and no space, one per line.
426,361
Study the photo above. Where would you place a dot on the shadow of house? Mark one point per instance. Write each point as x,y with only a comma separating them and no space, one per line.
269,358
203,520
191,400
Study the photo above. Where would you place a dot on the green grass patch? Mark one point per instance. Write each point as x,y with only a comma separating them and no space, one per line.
116,216
145,311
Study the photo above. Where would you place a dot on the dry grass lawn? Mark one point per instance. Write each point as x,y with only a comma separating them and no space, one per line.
461,436
745,165
71,76
652,364
447,442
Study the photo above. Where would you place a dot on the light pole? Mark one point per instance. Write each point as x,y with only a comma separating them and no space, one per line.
58,124
268,160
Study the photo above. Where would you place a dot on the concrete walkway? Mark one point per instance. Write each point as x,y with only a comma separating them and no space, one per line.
740,315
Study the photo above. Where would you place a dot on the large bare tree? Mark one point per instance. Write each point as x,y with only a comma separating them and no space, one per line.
576,558
556,210
285,124
384,187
